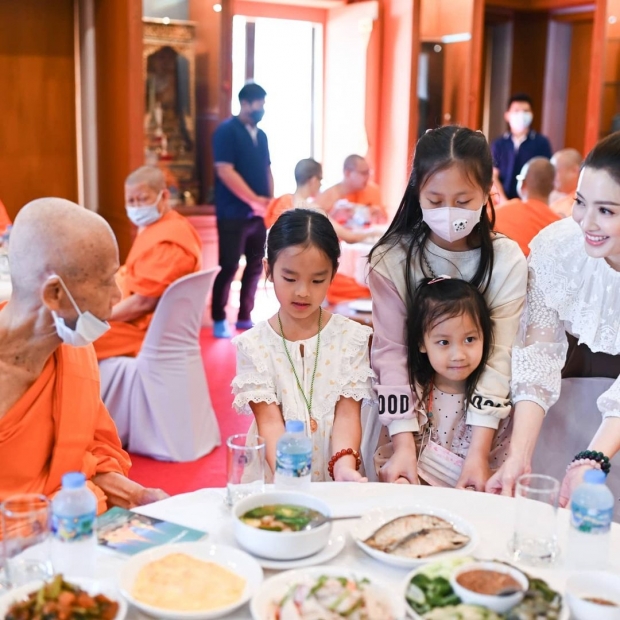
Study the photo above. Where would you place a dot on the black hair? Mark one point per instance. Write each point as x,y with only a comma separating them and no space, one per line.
436,300
520,98
306,228
606,156
307,169
252,92
437,150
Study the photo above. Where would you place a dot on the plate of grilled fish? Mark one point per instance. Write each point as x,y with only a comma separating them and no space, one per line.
408,536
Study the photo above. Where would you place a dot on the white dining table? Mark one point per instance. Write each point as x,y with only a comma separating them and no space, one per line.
492,517
5,288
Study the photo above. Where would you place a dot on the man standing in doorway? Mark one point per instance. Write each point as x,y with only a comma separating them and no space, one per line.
243,189
517,146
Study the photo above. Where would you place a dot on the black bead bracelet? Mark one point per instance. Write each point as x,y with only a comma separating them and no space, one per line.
599,457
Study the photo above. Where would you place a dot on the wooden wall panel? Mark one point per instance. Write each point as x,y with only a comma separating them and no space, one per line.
38,154
120,107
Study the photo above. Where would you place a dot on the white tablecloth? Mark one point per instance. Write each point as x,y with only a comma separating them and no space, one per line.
354,261
491,515
5,289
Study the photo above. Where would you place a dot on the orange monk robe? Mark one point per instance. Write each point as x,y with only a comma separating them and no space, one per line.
564,206
522,221
162,253
344,288
5,220
60,425
276,208
370,196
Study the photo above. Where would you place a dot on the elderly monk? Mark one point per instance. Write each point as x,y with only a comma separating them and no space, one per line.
567,164
166,248
52,420
523,218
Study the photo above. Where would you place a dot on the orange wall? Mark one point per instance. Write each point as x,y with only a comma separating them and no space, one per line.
441,17
38,153
280,11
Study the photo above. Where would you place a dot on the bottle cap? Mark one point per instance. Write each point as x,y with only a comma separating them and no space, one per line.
73,480
594,476
294,426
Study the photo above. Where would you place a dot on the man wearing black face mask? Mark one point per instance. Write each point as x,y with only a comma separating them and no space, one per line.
243,189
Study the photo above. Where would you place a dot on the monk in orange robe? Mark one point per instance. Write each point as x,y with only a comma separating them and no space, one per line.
52,419
5,220
567,163
166,248
523,218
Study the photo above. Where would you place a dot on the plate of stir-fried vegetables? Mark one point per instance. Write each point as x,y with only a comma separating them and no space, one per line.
57,599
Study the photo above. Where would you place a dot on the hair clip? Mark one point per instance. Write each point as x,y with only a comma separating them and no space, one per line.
439,279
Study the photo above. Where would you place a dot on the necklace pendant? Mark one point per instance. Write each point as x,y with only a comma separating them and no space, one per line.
313,425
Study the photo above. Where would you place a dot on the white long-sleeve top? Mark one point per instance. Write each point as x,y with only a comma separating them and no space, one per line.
505,297
567,291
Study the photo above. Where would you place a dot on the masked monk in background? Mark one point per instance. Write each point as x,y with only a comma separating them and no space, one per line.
52,420
166,248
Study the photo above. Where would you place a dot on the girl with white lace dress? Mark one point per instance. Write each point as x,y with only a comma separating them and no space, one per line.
305,363
574,288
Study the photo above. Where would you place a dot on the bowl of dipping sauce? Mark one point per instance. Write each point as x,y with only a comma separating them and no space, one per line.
493,585
271,525
594,595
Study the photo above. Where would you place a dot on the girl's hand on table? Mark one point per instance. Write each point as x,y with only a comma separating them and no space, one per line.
475,474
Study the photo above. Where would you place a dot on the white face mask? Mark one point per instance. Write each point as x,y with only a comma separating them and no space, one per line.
143,216
87,328
520,121
451,223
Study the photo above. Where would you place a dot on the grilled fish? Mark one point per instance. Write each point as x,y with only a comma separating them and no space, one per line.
394,532
428,542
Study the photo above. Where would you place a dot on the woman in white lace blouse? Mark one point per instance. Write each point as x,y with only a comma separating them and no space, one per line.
573,287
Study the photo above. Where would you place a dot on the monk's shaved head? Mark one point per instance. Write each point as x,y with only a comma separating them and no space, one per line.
352,162
56,236
567,164
538,176
148,175
567,157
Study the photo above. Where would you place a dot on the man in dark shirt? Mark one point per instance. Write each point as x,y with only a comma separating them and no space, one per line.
516,147
243,189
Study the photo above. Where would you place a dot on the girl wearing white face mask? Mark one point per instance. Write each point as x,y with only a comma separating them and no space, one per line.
444,225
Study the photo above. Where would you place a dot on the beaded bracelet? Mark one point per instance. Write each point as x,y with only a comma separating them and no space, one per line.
592,455
338,455
581,462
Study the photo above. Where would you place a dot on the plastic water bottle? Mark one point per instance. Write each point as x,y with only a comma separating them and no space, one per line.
293,458
592,507
74,540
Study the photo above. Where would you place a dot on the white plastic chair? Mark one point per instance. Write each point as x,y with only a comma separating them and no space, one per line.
569,427
160,400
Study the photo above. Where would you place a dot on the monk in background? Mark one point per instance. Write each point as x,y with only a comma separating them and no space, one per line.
166,248
567,163
52,420
523,218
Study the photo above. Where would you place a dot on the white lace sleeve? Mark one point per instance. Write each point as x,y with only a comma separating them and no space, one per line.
356,375
539,352
253,382
609,402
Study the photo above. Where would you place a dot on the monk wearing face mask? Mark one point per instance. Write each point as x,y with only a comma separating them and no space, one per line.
516,147
166,248
52,419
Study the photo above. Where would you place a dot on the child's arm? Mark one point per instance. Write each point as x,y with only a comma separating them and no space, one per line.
476,470
347,433
270,427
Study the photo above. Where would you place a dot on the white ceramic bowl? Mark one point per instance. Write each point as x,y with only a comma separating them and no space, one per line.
92,586
230,558
597,584
498,604
280,545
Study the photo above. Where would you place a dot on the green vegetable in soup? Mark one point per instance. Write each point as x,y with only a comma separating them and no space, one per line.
280,517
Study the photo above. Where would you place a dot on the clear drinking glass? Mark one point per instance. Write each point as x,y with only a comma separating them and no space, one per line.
535,540
246,466
25,525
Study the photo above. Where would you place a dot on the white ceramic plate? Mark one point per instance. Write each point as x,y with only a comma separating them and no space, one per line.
235,560
275,588
361,305
334,546
92,586
373,520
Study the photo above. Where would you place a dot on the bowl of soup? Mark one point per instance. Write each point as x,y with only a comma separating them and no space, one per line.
594,594
493,585
271,525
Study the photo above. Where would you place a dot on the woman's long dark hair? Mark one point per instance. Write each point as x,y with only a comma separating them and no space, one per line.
437,150
606,156
435,301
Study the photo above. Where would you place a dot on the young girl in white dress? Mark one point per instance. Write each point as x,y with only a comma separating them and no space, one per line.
449,339
305,363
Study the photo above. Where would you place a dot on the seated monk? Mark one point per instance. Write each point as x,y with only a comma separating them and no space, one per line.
166,248
567,163
5,220
52,419
523,218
